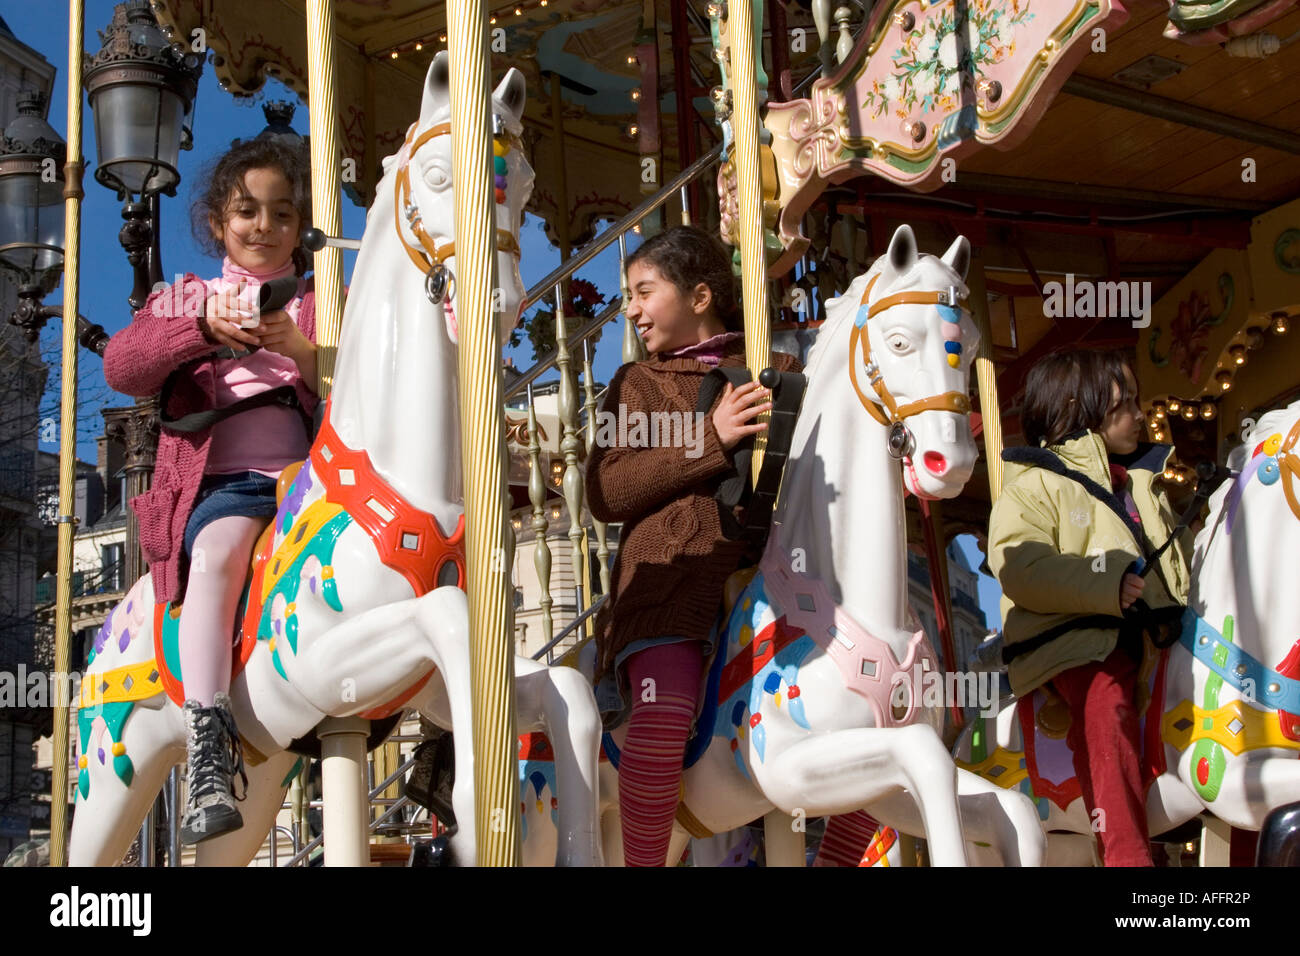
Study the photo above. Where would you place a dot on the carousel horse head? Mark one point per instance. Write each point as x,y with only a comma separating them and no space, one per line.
424,212
911,348
1253,524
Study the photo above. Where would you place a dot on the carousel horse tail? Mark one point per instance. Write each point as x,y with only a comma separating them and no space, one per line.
846,840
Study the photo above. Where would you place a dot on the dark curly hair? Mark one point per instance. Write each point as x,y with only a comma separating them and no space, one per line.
1071,390
687,256
225,176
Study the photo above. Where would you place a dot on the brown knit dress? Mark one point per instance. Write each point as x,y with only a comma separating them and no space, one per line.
673,559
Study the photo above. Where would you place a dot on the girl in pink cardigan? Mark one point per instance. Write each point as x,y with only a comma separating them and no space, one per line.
214,490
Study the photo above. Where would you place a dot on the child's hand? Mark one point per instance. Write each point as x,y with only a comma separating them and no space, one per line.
279,333
222,314
1130,589
736,408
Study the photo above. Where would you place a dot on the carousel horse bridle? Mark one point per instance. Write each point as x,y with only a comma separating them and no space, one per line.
900,438
1288,459
429,256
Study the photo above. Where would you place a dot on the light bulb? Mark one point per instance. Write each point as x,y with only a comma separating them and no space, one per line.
1174,404
1279,325
1225,380
1207,411
1189,412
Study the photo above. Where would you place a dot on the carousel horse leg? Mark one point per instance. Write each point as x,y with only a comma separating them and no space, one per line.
266,790
105,823
559,701
831,773
1005,819
376,654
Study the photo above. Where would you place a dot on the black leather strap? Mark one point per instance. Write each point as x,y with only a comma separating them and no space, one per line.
756,501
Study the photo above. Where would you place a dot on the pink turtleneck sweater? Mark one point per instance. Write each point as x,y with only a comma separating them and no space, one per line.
263,439
710,351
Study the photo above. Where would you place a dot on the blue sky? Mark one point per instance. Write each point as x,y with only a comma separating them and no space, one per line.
106,277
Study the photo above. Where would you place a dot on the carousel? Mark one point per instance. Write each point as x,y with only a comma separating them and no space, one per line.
1004,178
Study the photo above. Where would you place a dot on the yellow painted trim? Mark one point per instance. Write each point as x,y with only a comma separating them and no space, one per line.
141,687
1260,729
318,513
1012,773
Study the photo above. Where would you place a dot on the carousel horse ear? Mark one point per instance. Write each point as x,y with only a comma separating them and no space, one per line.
902,250
957,258
436,83
512,91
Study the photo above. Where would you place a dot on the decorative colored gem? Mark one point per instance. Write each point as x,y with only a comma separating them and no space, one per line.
499,165
1269,472
1272,444
792,691
954,360
499,182
119,748
952,348
1203,771
500,148
735,745
754,719
82,761
500,195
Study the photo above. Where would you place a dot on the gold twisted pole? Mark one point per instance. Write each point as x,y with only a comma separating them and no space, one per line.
537,497
72,195
633,347
325,187
496,787
601,529
987,376
753,268
571,484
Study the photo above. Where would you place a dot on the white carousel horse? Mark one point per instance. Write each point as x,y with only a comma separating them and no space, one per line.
1221,725
353,607
809,705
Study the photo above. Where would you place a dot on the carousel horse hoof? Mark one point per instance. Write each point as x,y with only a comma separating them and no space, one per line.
1279,838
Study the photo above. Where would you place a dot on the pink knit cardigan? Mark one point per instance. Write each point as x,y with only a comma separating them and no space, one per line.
137,361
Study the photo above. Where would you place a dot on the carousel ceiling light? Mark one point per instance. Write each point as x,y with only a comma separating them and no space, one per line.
1279,324
1225,380
1174,404
419,46
443,38
631,60
393,55
636,95
1208,411
1238,354
1189,412
519,11
633,130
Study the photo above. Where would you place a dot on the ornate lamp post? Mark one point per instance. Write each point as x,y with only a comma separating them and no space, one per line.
141,88
32,156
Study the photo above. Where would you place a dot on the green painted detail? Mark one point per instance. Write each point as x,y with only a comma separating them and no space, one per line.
293,772
321,546
1284,243
909,165
115,715
979,749
275,659
1209,751
171,643
329,590
1196,15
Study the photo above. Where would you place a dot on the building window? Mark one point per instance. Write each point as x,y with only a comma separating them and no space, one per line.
112,555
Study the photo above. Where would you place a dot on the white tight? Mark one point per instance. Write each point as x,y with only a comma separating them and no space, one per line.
218,568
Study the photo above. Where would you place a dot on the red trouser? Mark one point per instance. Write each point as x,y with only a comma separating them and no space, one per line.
1104,739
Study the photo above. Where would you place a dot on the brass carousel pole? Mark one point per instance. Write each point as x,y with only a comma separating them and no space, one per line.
753,268
72,195
492,678
987,375
346,808
784,842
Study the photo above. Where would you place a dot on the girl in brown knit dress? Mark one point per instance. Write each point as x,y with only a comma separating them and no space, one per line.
653,636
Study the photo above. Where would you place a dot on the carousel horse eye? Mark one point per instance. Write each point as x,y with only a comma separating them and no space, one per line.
898,343
436,176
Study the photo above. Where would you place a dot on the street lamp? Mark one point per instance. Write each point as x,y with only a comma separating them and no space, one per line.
32,156
142,89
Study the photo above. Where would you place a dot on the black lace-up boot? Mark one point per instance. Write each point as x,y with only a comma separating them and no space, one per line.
215,756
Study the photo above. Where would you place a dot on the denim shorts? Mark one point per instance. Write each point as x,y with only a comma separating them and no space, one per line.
613,698
248,493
